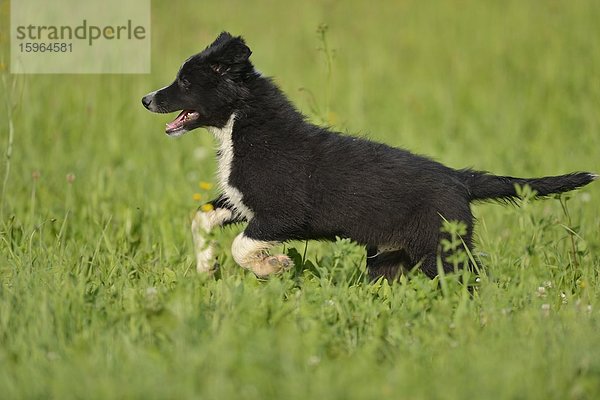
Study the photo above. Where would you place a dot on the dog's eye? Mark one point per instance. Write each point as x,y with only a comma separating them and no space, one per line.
183,82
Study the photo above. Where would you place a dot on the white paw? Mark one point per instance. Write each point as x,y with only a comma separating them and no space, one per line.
271,265
205,260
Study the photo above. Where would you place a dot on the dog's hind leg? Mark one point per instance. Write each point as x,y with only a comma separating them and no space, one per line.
250,249
211,215
424,243
386,263
430,258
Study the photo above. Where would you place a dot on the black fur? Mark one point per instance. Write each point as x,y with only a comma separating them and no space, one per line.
302,181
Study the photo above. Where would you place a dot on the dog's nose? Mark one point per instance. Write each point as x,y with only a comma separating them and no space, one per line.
146,100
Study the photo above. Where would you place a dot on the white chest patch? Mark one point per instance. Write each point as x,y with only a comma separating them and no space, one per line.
224,161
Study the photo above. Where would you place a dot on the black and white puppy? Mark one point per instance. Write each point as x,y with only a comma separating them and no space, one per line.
292,180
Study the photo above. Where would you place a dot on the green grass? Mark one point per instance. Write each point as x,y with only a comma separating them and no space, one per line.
99,297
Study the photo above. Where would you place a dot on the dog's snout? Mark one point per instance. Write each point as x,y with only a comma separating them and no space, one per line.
147,100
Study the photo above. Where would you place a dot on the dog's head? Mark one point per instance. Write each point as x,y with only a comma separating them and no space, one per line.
208,87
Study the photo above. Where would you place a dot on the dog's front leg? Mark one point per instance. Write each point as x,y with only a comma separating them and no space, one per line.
251,252
208,217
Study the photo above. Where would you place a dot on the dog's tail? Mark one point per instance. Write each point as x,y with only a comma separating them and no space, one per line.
484,186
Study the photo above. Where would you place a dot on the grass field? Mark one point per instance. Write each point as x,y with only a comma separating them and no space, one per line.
99,297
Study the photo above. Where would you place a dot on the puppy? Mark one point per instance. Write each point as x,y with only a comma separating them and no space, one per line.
292,180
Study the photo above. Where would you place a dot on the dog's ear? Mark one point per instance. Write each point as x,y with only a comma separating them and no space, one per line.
222,38
230,53
234,51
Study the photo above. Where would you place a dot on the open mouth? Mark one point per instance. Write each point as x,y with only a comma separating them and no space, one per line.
180,124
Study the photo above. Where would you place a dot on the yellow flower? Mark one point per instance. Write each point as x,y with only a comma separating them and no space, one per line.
207,207
197,197
205,185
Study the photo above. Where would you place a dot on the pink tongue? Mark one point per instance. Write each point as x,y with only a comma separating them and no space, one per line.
177,122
